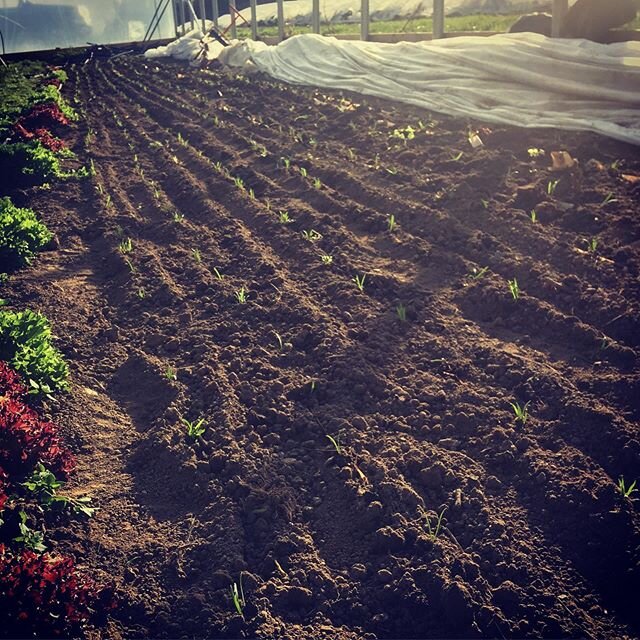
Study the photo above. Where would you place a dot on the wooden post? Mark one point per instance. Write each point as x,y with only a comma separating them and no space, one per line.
216,12
560,8
364,20
203,16
232,15
280,20
438,19
254,20
315,16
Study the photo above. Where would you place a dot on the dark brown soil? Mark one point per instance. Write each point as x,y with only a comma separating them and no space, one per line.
537,541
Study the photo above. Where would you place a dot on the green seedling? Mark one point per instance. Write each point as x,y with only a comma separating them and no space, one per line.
239,183
535,153
592,245
252,194
533,215
326,259
359,280
32,540
335,440
476,273
218,273
521,412
171,373
279,339
130,266
609,198
391,223
552,185
434,531
241,295
457,156
283,217
286,163
514,289
303,172
126,246
311,235
624,490
317,183
177,217
401,312
44,485
485,203
195,429
237,595
141,293
197,256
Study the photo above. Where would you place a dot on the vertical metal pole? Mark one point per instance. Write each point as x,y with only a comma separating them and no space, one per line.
315,16
203,16
174,6
182,18
438,19
364,20
254,20
216,13
232,15
280,20
560,8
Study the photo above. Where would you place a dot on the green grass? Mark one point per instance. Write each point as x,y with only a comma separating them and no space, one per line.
480,22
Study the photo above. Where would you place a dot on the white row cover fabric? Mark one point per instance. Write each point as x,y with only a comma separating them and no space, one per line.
520,79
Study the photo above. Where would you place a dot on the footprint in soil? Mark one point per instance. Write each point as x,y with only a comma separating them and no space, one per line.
140,389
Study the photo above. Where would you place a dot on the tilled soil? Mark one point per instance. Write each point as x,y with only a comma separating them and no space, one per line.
227,184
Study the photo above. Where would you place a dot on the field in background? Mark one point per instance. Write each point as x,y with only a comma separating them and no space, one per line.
480,22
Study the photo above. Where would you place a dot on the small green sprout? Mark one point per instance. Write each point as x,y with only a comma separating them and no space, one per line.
241,295
624,490
32,540
521,412
311,235
592,245
514,288
335,440
326,259
476,273
533,215
195,429
401,311
237,595
218,273
252,194
485,203
126,246
197,256
434,531
457,156
239,183
303,172
609,198
317,183
552,185
171,373
141,293
535,153
359,280
279,339
283,217
391,223
286,163
177,217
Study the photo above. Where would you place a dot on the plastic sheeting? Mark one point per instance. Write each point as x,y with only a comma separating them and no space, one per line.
519,79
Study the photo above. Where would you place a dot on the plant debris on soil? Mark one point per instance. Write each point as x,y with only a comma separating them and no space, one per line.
342,368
